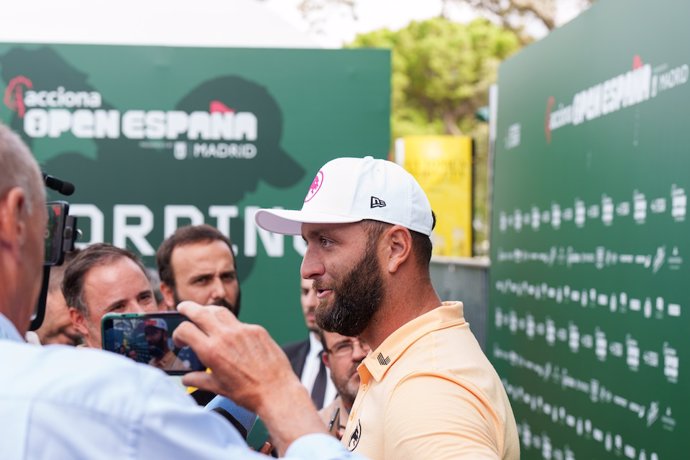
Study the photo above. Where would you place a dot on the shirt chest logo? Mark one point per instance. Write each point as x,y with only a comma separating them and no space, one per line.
355,437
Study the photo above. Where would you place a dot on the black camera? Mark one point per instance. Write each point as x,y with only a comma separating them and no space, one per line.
60,236
61,233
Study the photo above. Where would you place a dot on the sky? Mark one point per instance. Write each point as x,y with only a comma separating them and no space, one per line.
225,23
339,27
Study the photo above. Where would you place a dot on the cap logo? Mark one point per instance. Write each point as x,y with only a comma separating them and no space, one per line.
315,186
377,202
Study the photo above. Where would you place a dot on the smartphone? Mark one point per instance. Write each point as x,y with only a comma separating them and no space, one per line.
147,338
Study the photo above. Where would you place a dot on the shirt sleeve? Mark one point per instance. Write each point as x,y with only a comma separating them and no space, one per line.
429,416
173,429
172,426
319,446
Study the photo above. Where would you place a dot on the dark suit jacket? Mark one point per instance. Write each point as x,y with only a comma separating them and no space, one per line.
297,354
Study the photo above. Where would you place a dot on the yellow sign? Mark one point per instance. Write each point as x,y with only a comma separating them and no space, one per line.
443,167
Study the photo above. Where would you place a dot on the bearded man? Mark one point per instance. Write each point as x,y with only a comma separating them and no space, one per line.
197,263
426,390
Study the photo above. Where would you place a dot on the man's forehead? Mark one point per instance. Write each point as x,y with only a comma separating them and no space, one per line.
201,251
113,268
314,230
118,278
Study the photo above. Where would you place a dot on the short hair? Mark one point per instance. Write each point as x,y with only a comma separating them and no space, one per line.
19,168
421,243
189,234
95,255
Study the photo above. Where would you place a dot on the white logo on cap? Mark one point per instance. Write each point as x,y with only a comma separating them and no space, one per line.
315,186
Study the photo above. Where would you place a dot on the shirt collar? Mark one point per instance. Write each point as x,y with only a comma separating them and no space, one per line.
378,362
315,345
8,331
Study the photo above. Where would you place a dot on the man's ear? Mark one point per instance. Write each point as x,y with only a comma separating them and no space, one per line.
13,225
324,358
168,295
79,322
399,244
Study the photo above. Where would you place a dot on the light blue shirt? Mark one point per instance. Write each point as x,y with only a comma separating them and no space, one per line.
62,402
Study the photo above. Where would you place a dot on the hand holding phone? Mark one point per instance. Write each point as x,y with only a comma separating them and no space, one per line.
147,338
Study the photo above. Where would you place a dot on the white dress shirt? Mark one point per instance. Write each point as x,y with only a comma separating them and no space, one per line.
62,402
311,369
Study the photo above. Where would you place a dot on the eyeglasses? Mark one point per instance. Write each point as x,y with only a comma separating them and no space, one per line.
346,348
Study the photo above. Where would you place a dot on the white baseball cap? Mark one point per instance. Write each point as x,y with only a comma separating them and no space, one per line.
156,322
349,190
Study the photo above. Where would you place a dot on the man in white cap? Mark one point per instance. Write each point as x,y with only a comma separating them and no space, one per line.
157,338
426,390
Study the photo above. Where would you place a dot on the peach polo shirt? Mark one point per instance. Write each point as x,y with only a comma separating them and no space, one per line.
428,391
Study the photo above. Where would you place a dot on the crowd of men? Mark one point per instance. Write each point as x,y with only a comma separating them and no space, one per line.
396,371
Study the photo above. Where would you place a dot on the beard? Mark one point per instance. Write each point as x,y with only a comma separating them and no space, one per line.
157,348
357,298
235,309
347,389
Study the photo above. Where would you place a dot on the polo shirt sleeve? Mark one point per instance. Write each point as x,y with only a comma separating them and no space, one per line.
435,416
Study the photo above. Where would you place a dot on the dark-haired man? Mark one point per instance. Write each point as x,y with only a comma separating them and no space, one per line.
197,263
426,390
157,338
105,279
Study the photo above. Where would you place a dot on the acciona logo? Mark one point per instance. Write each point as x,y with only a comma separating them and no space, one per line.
20,97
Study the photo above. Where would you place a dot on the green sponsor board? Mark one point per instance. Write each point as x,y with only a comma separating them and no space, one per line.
159,137
589,305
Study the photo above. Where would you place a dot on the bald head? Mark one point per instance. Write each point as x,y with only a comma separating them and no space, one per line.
19,168
22,228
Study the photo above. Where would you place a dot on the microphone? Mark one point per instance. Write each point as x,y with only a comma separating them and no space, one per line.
61,186
242,419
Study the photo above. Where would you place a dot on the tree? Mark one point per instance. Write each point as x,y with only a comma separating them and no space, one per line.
515,15
441,72
524,17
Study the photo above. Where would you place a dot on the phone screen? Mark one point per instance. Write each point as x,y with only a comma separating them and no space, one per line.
147,338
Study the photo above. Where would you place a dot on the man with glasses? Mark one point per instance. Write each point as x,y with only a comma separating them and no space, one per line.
342,355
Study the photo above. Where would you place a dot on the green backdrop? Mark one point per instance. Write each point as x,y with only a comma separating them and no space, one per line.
157,137
589,319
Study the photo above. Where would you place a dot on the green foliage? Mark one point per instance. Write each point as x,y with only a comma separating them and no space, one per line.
441,72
